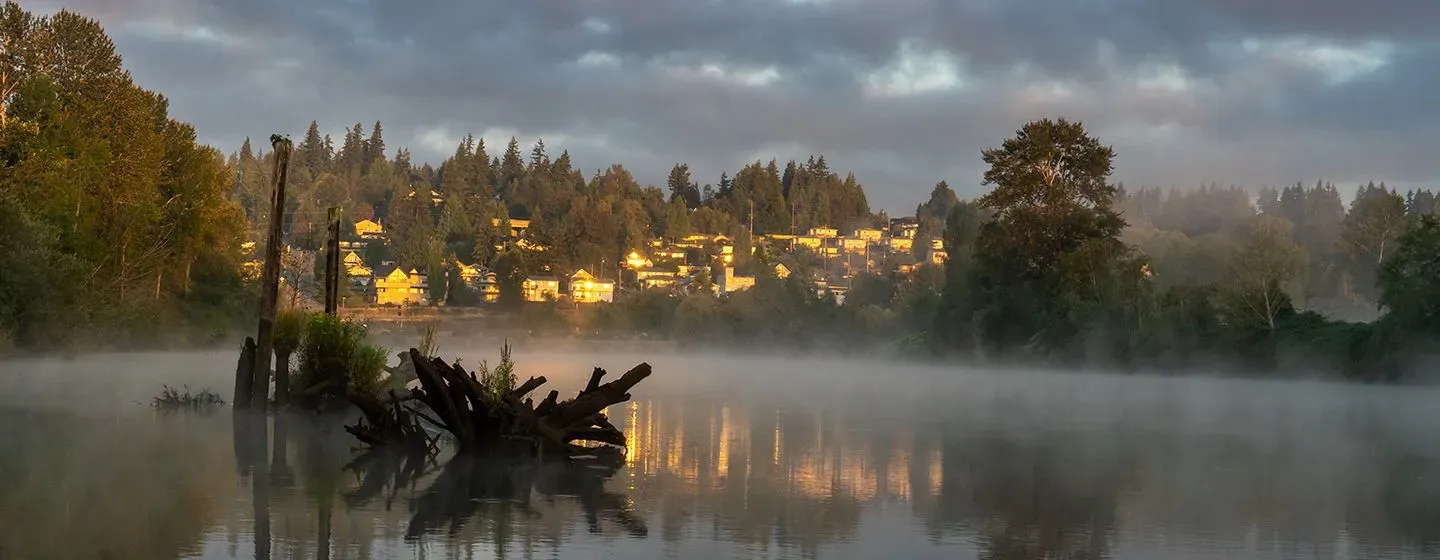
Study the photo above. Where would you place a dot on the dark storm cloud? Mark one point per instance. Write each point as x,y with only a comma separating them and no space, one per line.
1234,91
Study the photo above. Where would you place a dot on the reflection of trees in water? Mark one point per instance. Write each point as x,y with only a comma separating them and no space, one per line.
1040,497
73,488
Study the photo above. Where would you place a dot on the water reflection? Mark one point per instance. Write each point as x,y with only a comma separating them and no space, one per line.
753,477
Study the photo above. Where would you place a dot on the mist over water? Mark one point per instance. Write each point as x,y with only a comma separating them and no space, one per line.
745,457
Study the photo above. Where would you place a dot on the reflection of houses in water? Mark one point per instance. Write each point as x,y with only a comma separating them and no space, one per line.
763,474
809,455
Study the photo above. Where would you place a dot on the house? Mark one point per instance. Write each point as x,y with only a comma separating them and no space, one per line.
671,253
824,232
517,226
812,242
658,277
352,259
397,286
905,227
853,244
868,234
470,274
901,244
637,261
585,288
541,288
488,287
781,271
732,283
359,275
369,229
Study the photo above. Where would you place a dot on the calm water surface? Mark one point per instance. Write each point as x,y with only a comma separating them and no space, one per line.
740,458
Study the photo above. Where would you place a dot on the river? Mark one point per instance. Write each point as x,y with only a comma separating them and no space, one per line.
743,457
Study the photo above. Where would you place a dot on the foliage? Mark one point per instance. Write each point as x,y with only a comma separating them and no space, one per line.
183,399
117,199
289,330
337,348
500,380
1407,280
428,347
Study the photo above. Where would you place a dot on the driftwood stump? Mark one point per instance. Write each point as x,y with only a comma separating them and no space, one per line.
484,421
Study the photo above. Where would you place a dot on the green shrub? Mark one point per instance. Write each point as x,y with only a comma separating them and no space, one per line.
500,380
335,347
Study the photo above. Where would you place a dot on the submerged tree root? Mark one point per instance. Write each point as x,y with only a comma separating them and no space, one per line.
484,419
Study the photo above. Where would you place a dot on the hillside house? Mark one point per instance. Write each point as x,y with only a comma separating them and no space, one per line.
517,226
868,234
637,261
905,227
658,277
539,289
586,288
730,282
369,229
397,286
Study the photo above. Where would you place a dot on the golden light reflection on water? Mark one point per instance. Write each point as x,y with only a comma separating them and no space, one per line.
706,447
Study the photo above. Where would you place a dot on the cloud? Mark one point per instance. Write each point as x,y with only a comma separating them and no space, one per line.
902,92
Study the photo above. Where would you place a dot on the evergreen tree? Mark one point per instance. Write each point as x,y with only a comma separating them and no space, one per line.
680,186
511,170
374,148
310,153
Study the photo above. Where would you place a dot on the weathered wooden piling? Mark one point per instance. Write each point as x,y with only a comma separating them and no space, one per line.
270,275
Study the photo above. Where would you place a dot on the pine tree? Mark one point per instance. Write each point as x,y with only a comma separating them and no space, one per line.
539,160
511,169
374,148
310,153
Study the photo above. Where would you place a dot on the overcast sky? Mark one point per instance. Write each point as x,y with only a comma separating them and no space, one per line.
902,92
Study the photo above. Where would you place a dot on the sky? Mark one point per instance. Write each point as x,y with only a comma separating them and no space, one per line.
903,93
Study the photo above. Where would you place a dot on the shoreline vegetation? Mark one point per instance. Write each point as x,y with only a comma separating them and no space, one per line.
123,232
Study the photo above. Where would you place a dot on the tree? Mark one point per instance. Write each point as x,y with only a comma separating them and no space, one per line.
310,153
677,219
374,149
1051,198
1260,269
1376,219
510,272
681,188
1409,293
511,171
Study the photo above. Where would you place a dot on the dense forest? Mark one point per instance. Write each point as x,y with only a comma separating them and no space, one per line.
115,221
118,225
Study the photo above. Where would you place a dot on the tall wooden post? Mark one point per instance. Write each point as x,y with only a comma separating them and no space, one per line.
332,263
270,275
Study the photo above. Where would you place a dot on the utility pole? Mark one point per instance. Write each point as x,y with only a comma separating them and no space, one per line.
270,275
332,263
752,221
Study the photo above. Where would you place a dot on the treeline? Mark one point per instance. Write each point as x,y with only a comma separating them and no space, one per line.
114,222
1337,250
587,222
1056,265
